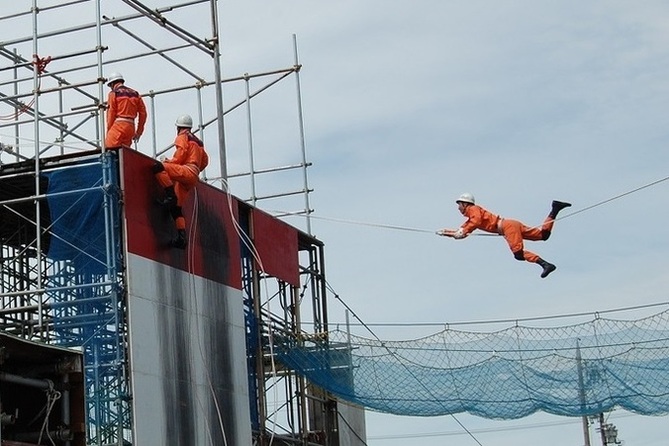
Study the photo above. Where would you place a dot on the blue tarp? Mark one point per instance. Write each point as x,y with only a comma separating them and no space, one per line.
76,199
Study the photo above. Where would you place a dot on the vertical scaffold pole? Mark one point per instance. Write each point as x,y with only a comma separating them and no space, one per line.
581,389
101,130
38,217
249,127
219,95
307,206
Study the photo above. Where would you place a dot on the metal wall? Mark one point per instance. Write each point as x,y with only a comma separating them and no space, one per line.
185,316
187,358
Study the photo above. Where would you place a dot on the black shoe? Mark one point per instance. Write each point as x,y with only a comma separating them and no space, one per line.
557,206
179,242
548,268
168,201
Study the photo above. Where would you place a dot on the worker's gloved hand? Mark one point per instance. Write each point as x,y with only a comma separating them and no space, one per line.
136,137
446,232
459,234
162,158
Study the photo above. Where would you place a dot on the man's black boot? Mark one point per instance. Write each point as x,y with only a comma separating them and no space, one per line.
179,242
548,268
557,206
170,198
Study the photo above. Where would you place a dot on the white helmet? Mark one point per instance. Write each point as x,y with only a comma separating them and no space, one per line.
466,198
184,121
114,77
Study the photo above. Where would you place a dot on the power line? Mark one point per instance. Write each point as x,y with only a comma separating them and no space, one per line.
518,427
476,431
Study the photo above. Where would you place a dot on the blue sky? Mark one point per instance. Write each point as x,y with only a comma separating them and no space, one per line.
409,104
519,103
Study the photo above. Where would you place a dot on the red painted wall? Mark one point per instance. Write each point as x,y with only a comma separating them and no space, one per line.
276,243
213,250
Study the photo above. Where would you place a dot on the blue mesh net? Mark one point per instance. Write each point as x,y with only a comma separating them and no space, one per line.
575,370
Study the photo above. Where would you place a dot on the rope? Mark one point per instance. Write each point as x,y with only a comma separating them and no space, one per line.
595,314
480,234
353,222
52,396
248,243
190,259
395,355
40,64
608,200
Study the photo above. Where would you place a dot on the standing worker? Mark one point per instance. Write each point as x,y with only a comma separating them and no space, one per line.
180,174
123,105
513,231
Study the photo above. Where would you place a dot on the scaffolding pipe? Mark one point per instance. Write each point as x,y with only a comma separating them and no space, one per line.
46,119
200,116
156,16
215,40
43,384
96,25
45,8
159,52
38,210
16,59
28,63
65,405
106,401
303,147
249,128
16,117
152,108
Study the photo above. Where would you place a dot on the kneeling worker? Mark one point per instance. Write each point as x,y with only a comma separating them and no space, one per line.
180,174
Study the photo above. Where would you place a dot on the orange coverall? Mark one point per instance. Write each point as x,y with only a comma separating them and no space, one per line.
183,170
513,231
124,105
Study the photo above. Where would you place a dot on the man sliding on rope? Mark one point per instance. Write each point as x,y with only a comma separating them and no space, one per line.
513,231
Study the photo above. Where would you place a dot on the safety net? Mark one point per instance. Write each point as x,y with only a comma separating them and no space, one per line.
575,370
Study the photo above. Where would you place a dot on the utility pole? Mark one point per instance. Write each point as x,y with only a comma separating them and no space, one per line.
608,432
579,369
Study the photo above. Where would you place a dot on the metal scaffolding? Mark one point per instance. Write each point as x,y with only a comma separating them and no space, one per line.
285,408
52,116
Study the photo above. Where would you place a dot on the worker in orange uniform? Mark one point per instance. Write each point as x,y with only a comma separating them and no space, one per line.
180,174
124,105
513,231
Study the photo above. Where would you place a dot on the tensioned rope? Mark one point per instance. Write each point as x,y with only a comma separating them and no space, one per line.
574,370
431,231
